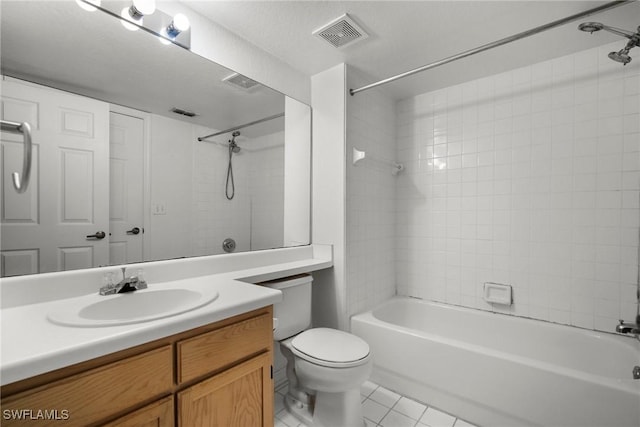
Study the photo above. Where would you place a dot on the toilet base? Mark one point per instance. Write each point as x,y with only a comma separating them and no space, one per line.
329,410
302,411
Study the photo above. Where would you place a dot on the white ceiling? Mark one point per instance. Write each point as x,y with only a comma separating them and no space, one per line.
407,34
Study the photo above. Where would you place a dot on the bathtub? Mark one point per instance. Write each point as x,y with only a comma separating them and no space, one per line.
498,370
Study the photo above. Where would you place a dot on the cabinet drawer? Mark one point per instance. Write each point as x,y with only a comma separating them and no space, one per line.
91,396
222,347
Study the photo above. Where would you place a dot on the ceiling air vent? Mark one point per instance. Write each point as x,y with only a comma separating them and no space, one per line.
183,112
241,82
341,32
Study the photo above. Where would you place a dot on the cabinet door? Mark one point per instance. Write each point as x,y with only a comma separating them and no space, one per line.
158,414
238,397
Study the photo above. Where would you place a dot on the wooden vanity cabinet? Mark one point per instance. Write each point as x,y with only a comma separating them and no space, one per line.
215,375
157,414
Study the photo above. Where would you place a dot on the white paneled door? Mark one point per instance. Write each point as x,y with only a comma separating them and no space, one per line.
62,221
126,200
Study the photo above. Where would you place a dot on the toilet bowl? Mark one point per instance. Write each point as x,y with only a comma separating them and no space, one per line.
325,367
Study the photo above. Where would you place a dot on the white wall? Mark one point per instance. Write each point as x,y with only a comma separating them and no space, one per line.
171,163
214,42
297,169
266,187
370,202
328,194
217,218
353,206
529,178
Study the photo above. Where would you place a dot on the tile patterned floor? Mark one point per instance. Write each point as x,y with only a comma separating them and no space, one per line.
381,408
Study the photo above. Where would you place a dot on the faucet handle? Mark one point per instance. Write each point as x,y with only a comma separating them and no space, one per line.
107,279
108,284
142,284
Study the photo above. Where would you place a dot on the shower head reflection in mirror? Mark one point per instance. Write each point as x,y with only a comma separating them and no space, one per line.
230,191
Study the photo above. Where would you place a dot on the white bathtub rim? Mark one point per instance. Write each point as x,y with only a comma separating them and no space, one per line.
615,338
450,306
621,384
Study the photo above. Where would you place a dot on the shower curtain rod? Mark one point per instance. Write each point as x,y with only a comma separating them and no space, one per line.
500,42
266,119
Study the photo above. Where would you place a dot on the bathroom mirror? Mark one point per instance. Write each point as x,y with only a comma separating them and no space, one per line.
118,177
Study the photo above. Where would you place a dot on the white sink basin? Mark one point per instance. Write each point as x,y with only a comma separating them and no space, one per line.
133,307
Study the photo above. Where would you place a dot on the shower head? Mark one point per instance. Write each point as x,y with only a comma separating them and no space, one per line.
622,56
233,137
232,143
590,27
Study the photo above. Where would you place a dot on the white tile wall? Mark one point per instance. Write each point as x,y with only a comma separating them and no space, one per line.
216,217
254,218
531,178
370,204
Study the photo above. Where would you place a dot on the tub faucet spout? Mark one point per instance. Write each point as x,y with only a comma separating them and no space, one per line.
627,328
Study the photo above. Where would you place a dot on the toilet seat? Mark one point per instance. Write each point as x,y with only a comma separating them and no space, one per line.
330,347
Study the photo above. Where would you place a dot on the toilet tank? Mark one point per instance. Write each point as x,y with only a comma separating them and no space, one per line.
293,314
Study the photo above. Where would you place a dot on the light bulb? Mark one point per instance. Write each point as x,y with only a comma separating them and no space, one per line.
179,24
86,6
143,7
127,19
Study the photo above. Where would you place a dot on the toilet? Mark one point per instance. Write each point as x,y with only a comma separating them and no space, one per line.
325,367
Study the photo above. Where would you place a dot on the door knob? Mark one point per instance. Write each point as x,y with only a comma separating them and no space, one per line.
134,230
99,235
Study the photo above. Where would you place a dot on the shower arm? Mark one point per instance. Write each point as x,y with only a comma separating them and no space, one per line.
623,33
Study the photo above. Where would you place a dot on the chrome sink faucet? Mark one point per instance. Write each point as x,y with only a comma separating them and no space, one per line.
127,284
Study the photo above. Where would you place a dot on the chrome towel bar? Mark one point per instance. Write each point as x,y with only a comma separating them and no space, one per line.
20,182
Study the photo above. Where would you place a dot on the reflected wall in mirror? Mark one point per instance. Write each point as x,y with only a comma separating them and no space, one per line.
112,159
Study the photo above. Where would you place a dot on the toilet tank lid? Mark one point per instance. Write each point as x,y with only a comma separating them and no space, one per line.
331,345
287,282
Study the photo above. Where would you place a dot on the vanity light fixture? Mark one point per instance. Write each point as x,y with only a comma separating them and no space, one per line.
144,14
87,4
179,24
135,13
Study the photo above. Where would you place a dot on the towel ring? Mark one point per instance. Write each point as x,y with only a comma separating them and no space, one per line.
21,182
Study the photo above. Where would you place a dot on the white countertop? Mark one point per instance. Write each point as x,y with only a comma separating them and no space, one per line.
33,345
